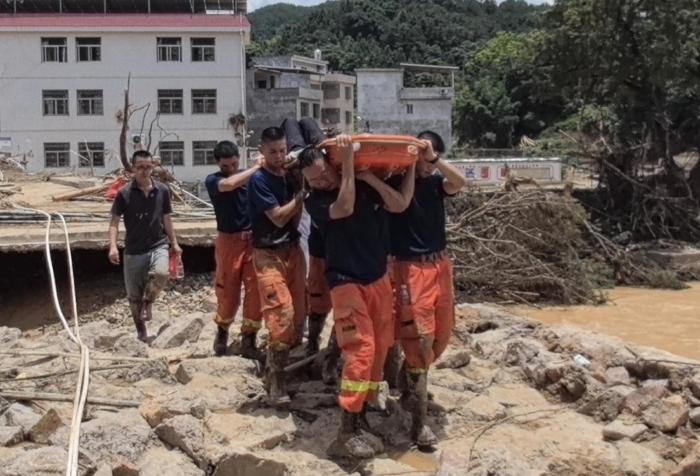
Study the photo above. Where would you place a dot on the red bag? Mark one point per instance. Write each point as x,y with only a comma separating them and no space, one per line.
113,189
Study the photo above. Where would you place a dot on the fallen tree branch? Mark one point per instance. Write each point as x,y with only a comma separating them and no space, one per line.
58,397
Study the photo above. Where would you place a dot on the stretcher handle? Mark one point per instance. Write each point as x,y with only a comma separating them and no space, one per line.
364,139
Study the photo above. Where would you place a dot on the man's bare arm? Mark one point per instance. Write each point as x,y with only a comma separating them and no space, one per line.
235,181
281,215
113,237
344,205
170,231
394,200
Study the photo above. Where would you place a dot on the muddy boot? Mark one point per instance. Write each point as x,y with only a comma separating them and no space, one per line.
248,349
329,371
350,442
370,436
316,322
141,331
276,377
421,434
392,366
220,341
146,311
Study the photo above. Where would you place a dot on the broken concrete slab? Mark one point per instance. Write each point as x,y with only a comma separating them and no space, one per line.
640,399
161,461
11,435
183,329
215,366
666,415
20,415
483,408
123,467
690,465
454,360
45,461
264,429
186,433
8,336
241,463
618,430
124,434
617,376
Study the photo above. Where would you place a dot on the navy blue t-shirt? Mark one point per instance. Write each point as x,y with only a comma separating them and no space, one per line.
357,246
316,246
265,192
420,229
231,208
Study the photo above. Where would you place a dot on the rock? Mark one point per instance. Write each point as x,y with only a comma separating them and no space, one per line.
638,460
617,376
8,336
20,415
215,366
108,338
640,399
574,383
158,409
448,400
512,395
666,415
47,425
104,470
161,461
246,431
123,434
694,385
607,404
125,468
662,382
690,465
618,430
695,415
45,461
11,435
454,360
130,346
554,372
483,408
153,368
243,463
185,329
186,433
310,401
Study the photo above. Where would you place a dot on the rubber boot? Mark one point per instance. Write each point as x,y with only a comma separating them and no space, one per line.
220,341
349,442
421,434
248,349
370,436
316,322
393,365
141,331
329,370
277,378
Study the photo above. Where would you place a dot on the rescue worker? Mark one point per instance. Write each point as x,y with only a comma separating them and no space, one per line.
422,272
350,211
146,207
275,210
228,192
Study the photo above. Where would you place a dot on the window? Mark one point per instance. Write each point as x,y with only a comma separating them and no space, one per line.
90,102
91,150
170,101
203,152
54,50
88,49
203,49
55,102
348,93
169,49
56,154
348,117
172,153
317,110
262,84
204,101
409,108
304,109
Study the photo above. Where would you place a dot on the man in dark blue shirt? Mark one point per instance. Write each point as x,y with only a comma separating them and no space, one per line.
422,274
234,251
352,217
275,210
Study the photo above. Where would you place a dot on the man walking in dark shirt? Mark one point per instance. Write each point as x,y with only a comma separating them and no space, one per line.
275,210
234,251
145,205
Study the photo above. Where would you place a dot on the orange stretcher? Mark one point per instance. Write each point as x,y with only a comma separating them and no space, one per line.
383,154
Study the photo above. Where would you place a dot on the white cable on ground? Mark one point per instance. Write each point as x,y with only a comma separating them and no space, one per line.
83,382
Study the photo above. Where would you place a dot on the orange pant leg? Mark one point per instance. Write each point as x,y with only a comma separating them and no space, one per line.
380,306
227,281
444,308
319,296
354,332
252,312
275,297
296,282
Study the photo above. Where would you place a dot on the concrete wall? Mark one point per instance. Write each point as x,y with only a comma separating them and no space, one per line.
382,101
23,76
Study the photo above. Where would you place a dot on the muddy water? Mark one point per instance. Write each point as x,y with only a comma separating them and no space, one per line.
667,320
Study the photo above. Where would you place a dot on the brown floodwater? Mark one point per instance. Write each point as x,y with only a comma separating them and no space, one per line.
667,320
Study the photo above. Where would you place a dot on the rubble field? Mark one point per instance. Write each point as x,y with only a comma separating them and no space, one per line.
510,397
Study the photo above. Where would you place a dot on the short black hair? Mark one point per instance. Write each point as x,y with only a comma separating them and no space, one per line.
225,150
140,154
309,155
435,139
272,134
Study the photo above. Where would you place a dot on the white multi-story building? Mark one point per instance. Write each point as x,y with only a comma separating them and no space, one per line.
63,77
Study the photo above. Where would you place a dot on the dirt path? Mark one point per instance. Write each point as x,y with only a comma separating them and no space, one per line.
668,320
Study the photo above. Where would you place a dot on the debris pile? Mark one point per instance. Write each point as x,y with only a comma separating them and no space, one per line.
536,246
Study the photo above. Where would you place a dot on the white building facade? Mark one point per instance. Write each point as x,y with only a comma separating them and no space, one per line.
63,77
